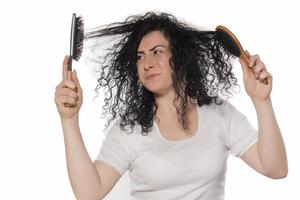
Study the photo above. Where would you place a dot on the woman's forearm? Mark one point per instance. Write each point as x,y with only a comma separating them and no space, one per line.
85,182
271,148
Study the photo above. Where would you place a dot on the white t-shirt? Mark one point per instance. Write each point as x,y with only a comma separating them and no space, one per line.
188,169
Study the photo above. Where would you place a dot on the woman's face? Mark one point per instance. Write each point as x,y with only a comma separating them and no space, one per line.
153,66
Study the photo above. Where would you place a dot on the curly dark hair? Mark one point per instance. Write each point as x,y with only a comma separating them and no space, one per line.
201,68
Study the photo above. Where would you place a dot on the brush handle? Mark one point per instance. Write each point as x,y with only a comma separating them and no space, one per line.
244,57
69,76
70,67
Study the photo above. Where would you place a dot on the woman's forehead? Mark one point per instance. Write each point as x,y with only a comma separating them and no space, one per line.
152,39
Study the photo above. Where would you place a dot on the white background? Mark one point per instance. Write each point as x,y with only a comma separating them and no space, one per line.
35,38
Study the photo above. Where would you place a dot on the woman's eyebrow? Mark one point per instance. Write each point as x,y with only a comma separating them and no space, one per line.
153,48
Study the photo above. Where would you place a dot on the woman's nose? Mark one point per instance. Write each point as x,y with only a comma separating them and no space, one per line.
149,63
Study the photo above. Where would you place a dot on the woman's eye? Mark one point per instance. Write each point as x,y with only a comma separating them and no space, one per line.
157,51
139,57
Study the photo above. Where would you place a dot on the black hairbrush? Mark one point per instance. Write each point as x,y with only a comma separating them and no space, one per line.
76,44
76,41
232,44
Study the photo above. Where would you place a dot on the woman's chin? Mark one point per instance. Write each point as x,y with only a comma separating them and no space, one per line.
157,91
152,89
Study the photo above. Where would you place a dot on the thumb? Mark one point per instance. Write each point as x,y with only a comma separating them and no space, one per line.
245,69
75,79
247,53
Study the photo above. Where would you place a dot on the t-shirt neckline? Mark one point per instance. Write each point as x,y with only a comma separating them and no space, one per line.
186,139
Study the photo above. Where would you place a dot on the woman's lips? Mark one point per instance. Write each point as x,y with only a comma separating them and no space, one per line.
152,76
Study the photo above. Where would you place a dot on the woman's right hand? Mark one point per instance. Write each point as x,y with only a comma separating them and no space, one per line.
68,94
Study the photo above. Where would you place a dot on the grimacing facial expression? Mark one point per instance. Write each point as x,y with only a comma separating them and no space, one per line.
153,66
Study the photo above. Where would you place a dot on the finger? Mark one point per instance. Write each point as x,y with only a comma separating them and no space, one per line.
65,101
65,68
258,68
247,53
253,60
66,92
76,81
67,84
58,103
264,75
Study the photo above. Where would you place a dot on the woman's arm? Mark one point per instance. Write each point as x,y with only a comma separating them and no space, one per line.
268,155
83,175
270,145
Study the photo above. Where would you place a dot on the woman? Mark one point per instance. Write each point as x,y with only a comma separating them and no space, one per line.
169,125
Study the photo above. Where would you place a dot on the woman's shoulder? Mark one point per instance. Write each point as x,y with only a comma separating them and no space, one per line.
124,131
222,108
218,114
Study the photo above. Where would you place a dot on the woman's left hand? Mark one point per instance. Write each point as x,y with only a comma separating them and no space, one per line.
253,76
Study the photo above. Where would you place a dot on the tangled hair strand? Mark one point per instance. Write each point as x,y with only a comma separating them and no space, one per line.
200,65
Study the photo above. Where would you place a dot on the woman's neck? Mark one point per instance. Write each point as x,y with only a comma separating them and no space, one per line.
166,105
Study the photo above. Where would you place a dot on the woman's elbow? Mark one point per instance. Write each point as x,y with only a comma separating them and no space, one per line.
278,175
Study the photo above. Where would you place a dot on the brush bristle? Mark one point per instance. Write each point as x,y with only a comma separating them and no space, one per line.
78,38
228,42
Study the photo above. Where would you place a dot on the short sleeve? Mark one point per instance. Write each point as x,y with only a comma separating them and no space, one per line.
241,135
115,149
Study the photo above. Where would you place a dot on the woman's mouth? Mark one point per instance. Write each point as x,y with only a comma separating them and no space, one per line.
152,76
